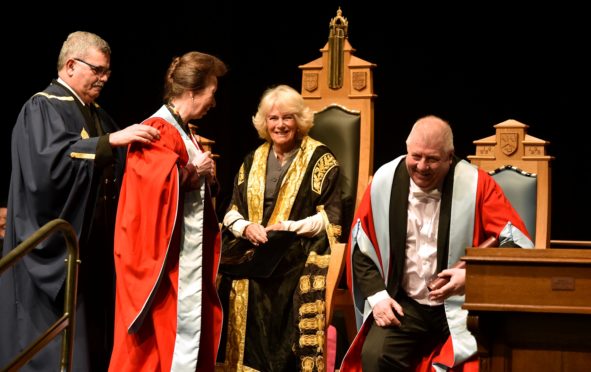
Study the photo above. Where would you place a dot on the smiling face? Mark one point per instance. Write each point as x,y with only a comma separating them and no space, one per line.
283,129
429,153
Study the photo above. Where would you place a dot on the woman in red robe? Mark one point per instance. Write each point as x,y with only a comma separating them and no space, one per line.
167,244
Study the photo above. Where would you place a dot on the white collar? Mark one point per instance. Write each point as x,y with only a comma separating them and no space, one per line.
61,81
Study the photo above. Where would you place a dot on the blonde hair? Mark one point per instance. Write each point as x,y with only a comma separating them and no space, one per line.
287,100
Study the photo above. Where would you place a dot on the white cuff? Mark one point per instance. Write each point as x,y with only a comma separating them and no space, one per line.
236,223
309,226
375,298
238,227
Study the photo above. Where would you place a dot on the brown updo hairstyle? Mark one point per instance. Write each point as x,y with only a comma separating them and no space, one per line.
191,72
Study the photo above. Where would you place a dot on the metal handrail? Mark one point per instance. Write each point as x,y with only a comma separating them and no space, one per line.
68,321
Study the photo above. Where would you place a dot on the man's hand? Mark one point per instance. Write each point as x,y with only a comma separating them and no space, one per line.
456,285
134,133
384,312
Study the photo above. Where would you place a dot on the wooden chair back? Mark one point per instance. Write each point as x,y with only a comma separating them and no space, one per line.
519,163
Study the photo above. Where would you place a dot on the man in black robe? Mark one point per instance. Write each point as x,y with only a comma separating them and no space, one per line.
67,160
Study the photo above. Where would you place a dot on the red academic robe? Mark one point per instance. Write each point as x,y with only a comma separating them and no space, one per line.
482,201
153,295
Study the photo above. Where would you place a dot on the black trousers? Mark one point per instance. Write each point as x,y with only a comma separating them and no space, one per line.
400,348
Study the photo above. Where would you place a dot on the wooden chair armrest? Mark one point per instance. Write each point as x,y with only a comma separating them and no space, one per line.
335,268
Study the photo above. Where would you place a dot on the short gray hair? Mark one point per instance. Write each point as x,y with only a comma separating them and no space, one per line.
77,45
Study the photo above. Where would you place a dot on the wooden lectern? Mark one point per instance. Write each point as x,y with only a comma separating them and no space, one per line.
530,309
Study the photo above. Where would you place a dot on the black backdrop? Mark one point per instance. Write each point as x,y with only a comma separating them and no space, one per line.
473,65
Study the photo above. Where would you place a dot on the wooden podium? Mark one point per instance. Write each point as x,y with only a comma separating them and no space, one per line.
530,309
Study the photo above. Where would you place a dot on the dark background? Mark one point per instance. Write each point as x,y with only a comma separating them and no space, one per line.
475,66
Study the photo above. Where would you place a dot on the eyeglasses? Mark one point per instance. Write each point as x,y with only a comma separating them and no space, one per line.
100,71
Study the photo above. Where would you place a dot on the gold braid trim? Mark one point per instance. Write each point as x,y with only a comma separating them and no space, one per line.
256,183
308,364
305,284
332,231
316,323
312,308
320,261
51,96
292,180
316,340
237,323
241,175
312,283
336,230
319,283
82,155
323,165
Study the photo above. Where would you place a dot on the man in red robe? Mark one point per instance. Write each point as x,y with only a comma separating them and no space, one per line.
417,217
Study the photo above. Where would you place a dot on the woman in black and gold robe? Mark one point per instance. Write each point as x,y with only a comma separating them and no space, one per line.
285,211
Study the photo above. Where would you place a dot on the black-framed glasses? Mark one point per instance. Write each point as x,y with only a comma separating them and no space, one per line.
100,71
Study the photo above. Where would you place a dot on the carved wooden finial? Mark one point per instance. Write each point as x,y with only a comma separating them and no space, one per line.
336,41
339,22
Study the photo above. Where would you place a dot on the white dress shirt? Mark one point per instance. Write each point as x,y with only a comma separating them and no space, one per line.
421,246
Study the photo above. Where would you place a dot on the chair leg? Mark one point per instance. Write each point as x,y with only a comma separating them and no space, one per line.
350,323
343,302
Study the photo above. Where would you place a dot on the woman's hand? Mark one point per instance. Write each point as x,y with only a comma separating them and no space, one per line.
255,233
275,227
189,179
204,164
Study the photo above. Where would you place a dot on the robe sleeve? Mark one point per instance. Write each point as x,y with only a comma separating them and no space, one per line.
146,217
53,168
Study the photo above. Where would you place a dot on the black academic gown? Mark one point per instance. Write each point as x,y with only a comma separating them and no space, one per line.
269,323
62,167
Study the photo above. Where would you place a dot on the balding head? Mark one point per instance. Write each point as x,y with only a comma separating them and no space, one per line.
430,151
432,131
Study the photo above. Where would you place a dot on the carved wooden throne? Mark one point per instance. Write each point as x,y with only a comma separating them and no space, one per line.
338,87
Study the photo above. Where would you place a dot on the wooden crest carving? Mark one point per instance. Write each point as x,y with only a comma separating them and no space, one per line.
484,150
310,81
509,143
359,80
